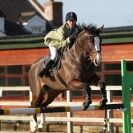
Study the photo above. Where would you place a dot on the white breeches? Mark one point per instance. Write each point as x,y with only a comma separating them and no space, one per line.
53,52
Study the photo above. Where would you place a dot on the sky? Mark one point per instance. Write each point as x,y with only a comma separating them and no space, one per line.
111,13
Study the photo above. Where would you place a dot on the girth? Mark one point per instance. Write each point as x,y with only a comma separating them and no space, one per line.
60,79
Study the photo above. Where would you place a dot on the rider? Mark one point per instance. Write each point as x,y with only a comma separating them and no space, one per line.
61,37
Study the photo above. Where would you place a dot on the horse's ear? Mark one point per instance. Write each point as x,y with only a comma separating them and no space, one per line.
100,29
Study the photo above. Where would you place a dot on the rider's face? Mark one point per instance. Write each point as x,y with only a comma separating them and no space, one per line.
71,23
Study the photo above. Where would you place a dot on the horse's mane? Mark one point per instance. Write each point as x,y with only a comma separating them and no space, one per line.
81,27
90,28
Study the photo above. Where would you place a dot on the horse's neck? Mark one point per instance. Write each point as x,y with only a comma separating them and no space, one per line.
75,53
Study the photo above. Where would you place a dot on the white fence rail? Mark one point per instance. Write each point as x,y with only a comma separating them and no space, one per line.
69,117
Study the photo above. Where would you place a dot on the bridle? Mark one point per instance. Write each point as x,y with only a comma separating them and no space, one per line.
92,54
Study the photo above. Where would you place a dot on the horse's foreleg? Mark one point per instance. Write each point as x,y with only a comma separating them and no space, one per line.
87,92
88,100
102,86
77,84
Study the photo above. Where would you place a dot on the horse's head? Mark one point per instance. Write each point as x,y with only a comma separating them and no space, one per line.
90,43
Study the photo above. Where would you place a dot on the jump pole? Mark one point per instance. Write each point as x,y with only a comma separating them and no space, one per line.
57,109
127,86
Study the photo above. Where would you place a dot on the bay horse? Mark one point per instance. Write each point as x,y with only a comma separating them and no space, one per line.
76,72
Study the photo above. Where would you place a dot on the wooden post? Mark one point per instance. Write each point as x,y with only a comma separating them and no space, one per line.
110,126
69,114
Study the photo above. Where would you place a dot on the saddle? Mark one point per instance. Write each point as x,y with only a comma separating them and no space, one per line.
56,66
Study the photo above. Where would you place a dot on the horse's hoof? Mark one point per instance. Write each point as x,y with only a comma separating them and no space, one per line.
33,130
103,102
40,129
85,105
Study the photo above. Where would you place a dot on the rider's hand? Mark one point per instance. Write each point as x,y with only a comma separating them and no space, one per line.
73,36
72,39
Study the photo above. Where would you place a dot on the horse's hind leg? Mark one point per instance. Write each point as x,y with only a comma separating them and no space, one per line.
88,100
42,121
39,102
33,124
50,95
41,96
36,102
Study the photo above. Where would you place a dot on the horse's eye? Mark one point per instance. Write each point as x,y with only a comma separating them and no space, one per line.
92,39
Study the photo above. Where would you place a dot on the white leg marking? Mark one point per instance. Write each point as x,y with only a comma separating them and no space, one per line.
43,121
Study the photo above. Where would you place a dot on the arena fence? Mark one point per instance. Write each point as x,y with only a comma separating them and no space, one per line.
69,119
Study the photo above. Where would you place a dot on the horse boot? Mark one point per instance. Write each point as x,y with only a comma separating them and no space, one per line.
103,102
103,91
46,67
88,100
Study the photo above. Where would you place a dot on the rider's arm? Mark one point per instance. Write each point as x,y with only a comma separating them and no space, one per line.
56,39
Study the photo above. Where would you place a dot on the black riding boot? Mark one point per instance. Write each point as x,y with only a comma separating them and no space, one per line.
46,68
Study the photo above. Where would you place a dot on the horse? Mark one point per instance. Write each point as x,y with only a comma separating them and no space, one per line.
76,72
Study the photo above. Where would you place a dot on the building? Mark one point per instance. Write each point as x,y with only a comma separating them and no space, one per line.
19,52
2,24
117,44
23,24
21,17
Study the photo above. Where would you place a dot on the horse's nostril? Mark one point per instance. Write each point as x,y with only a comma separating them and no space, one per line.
96,62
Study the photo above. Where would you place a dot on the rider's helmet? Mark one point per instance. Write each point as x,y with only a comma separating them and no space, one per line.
71,15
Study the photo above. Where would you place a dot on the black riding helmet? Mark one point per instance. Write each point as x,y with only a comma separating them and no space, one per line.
71,15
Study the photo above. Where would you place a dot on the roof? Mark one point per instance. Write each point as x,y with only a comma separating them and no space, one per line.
123,34
22,42
1,14
13,29
118,29
16,12
13,9
109,36
25,16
